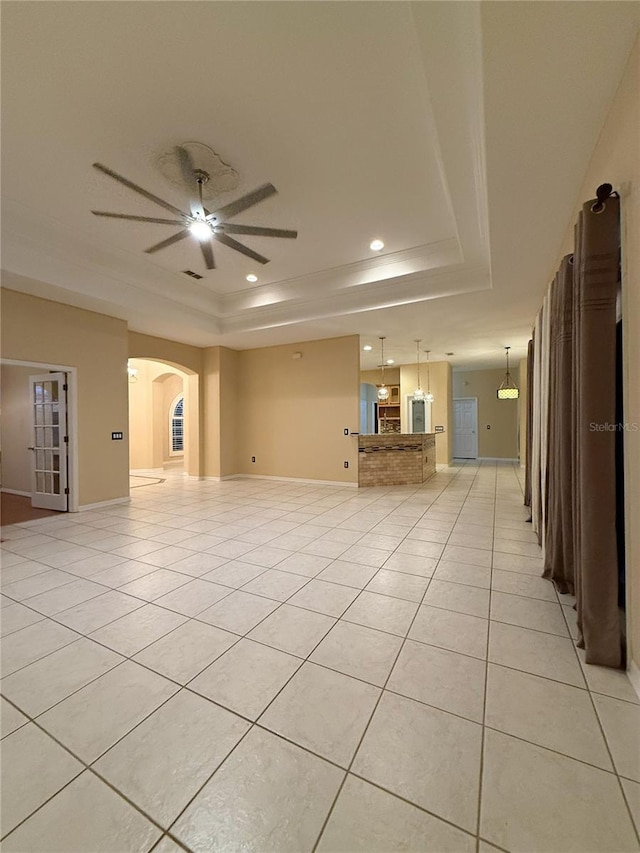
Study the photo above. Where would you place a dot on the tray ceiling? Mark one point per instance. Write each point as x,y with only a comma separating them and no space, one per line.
431,125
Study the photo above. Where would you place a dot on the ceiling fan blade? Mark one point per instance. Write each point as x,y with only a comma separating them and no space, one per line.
186,165
248,200
233,244
230,228
168,242
190,179
138,218
207,254
137,189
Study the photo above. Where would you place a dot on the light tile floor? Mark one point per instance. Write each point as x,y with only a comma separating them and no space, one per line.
266,666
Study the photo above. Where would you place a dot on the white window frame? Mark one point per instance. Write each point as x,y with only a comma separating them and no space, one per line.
172,418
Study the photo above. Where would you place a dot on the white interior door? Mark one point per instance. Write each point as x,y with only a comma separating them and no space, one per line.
49,437
465,428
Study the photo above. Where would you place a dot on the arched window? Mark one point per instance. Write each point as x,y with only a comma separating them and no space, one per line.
176,426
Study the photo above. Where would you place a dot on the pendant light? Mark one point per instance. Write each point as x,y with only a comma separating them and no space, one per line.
418,394
508,389
429,398
383,391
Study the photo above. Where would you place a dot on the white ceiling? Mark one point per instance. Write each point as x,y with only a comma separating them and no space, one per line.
456,132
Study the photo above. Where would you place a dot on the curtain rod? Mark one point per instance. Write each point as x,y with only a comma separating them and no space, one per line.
603,192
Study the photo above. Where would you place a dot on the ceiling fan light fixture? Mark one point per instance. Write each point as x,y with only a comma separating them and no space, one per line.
200,229
199,223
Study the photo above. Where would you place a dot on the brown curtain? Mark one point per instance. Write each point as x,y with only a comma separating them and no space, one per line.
529,438
536,458
558,555
596,266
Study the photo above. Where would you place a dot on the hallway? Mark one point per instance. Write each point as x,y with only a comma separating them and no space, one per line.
267,666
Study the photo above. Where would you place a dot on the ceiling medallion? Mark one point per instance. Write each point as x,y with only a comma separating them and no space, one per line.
223,178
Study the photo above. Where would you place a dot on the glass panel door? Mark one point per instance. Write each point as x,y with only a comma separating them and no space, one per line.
49,447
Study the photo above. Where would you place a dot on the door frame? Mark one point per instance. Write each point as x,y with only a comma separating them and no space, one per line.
475,400
72,418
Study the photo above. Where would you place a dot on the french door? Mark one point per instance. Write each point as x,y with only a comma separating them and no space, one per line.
49,441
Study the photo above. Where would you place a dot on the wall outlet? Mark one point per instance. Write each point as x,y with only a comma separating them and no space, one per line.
253,458
346,464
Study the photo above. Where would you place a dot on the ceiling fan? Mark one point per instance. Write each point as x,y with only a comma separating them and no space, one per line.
205,226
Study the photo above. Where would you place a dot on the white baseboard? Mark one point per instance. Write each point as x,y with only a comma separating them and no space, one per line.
99,504
634,676
288,480
220,479
497,459
16,492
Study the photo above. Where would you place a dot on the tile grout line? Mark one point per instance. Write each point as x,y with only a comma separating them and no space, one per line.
636,829
256,723
486,679
375,707
182,687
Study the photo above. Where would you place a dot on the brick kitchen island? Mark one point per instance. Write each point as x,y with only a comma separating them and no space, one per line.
396,459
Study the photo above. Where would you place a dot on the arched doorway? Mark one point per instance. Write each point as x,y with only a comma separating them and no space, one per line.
163,418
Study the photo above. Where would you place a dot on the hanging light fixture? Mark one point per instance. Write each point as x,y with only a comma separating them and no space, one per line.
383,391
418,394
429,398
508,389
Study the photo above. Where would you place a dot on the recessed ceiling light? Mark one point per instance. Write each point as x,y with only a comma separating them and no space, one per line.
390,361
376,245
252,277
367,347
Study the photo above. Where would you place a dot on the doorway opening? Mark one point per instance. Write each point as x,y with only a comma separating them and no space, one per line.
38,440
163,421
418,415
465,428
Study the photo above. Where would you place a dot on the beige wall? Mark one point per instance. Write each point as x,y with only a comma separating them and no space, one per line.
190,360
291,413
441,408
498,420
230,412
616,159
222,378
179,355
211,422
15,427
51,333
373,377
